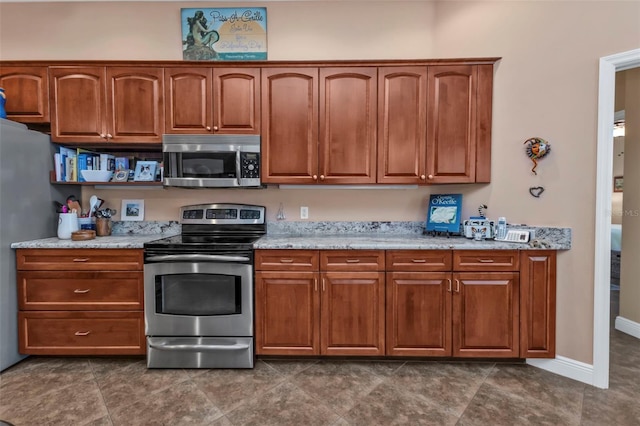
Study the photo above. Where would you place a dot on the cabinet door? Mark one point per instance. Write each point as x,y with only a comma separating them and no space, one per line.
27,93
486,314
289,125
287,313
348,99
402,125
188,94
352,313
418,313
78,107
451,124
538,304
135,104
236,96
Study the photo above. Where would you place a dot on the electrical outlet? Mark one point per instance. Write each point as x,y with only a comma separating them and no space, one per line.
304,212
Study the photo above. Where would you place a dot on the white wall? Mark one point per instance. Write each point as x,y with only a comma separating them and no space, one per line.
545,85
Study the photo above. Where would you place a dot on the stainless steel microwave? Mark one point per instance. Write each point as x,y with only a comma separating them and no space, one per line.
211,161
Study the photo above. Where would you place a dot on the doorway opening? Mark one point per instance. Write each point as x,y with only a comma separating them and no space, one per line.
609,65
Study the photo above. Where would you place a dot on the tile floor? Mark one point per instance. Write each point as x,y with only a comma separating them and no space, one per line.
121,391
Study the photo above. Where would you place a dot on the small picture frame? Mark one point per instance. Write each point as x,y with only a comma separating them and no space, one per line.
145,171
132,210
120,176
617,184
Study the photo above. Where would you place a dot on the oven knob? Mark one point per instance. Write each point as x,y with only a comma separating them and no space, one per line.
250,167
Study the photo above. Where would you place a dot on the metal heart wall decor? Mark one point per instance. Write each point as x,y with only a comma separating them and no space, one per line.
536,191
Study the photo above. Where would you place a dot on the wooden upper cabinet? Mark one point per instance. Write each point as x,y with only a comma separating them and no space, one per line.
98,105
202,100
348,122
289,125
402,125
451,124
78,105
27,93
459,123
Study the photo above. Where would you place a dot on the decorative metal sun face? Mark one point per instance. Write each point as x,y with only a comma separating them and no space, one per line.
536,148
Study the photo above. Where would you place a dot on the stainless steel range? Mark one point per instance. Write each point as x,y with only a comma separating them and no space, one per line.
198,289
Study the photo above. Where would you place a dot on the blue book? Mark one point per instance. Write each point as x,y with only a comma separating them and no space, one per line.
444,213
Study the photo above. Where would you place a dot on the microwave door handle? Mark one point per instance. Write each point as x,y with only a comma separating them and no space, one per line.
238,167
197,257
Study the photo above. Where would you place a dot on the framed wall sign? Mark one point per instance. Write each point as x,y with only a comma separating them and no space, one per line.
145,171
224,34
132,210
617,184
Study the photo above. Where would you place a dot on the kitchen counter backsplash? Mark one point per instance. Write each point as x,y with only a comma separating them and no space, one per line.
134,228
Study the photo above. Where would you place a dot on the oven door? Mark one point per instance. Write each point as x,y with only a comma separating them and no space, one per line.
198,298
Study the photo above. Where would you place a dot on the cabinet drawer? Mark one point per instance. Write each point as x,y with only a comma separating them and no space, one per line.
81,333
286,260
64,290
419,260
352,260
79,259
486,260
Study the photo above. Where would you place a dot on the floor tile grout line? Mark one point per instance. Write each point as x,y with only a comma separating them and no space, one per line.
484,380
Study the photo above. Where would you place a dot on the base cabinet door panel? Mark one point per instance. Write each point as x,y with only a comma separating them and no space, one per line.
352,313
418,314
486,315
287,313
538,304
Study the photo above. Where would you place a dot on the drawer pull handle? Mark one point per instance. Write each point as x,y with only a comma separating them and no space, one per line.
80,259
78,291
353,260
419,260
82,333
485,260
286,260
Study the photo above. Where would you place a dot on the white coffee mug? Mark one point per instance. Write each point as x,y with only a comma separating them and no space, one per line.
67,223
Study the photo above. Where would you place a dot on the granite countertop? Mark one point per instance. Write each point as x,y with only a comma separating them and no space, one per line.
389,242
124,241
320,236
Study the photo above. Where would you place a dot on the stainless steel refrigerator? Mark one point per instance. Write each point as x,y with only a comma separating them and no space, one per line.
27,212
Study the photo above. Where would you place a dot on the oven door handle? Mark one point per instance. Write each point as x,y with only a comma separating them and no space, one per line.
199,348
197,257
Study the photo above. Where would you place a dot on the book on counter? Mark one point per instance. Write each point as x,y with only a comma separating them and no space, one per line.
444,213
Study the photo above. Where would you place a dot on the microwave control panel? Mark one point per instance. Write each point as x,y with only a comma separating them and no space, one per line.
249,165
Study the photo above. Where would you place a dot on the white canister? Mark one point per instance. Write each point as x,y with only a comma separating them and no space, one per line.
67,223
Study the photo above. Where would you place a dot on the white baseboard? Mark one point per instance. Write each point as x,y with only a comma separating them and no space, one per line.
566,367
627,326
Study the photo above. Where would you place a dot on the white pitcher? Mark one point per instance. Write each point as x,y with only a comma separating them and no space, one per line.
67,223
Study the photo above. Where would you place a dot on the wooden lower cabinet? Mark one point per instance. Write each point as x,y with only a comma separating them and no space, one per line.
339,312
80,301
444,303
486,320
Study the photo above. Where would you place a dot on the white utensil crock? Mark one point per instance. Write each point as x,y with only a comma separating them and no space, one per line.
67,223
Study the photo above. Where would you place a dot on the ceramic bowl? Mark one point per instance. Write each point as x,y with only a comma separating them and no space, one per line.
96,175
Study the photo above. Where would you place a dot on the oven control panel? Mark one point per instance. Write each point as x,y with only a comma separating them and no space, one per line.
222,214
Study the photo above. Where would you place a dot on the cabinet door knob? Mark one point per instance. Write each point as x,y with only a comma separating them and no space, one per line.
103,136
109,136
430,176
215,128
321,177
315,177
423,177
208,128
